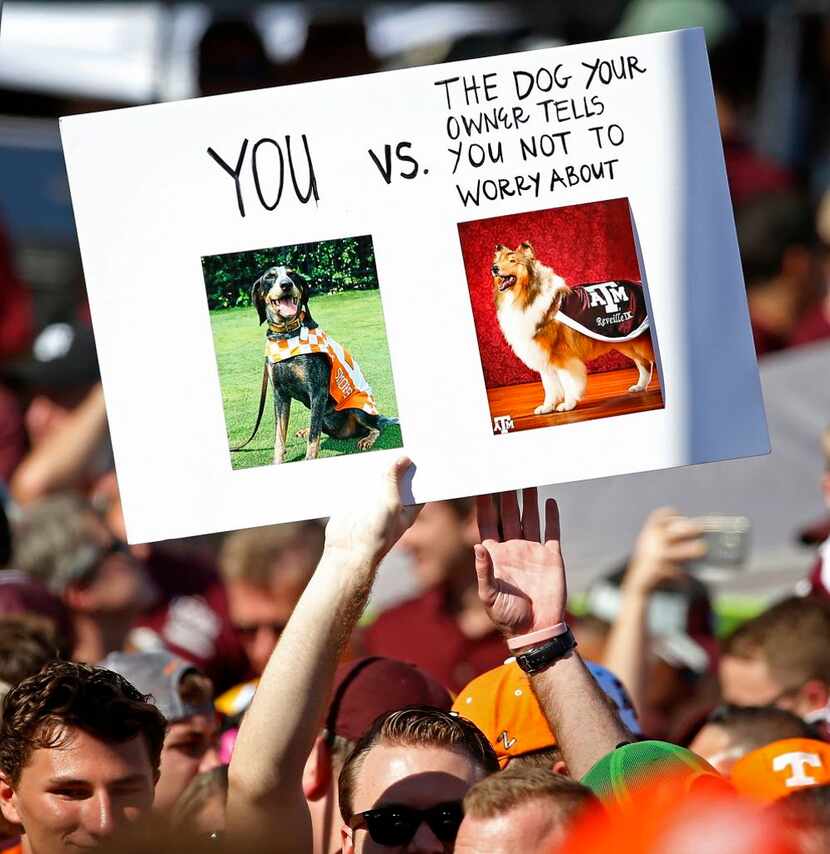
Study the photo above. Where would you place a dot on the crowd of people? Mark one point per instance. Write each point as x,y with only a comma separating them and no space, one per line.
110,738
230,691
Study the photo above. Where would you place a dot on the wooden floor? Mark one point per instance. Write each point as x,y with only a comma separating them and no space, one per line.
606,395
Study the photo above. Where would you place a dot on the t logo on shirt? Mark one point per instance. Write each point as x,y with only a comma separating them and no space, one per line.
797,761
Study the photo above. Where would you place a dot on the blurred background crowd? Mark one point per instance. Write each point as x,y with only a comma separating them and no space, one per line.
643,603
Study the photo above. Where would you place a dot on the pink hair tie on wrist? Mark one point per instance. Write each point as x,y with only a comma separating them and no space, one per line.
537,636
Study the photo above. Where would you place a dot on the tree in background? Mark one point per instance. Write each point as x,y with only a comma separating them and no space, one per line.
330,266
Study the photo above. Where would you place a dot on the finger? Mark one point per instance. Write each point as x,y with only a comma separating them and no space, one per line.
552,532
679,529
488,525
487,590
660,517
511,526
687,550
530,515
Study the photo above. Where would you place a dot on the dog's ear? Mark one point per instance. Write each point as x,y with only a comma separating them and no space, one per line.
305,288
500,247
258,300
525,247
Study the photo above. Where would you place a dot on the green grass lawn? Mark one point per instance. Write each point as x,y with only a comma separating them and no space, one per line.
354,319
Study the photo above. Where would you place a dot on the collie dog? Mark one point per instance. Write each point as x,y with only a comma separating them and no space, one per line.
529,297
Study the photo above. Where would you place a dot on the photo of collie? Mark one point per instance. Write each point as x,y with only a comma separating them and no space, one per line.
562,315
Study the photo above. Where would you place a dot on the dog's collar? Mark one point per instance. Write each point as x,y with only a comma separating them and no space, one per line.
289,326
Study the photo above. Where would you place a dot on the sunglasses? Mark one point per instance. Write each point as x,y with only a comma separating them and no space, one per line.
396,825
85,572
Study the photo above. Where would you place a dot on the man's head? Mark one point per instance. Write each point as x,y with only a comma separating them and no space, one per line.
776,233
441,541
401,789
806,812
27,643
524,810
79,756
780,658
185,697
363,690
733,731
63,543
265,571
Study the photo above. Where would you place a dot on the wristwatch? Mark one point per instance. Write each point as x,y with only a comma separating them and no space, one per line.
537,658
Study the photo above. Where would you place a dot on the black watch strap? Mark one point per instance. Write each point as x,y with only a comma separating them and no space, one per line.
537,658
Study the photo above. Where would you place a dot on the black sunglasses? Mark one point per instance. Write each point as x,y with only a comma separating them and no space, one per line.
396,824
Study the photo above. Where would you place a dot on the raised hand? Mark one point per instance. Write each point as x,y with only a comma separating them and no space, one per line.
664,544
364,533
521,577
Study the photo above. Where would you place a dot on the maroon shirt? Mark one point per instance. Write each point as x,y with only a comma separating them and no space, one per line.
424,632
814,325
191,618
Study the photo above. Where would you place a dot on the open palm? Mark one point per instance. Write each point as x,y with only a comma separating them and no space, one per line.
521,578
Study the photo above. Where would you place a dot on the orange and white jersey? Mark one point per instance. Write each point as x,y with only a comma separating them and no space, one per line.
347,385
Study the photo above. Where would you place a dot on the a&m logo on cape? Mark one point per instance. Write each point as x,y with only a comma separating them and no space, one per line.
606,311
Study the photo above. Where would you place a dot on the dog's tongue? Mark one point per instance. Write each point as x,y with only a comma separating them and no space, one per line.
288,308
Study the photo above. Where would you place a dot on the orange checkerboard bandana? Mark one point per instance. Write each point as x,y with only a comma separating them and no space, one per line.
347,386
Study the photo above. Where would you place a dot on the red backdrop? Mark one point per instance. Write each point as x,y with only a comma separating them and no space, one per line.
583,243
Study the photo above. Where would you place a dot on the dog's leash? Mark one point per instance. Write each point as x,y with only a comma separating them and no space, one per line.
261,406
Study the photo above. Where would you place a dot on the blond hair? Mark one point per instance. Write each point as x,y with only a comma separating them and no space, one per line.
251,555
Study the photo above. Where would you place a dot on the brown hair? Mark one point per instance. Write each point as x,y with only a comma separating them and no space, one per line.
38,713
544,758
750,727
27,643
417,726
496,795
252,554
198,793
196,689
792,638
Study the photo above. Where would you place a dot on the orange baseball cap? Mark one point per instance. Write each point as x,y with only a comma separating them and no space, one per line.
778,769
502,705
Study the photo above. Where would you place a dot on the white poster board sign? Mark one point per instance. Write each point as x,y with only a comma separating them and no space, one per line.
520,270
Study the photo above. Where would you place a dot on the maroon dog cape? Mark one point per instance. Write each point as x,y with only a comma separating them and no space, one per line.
607,311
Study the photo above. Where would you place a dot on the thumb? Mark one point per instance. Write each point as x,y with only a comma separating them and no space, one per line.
394,479
487,590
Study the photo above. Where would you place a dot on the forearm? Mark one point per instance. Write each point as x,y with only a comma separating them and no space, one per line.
63,456
586,726
279,729
627,648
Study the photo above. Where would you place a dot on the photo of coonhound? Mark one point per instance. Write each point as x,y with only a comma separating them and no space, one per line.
304,364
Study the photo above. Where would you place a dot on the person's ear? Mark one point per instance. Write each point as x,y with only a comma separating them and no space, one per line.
317,774
8,802
797,262
347,838
812,696
78,597
258,299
